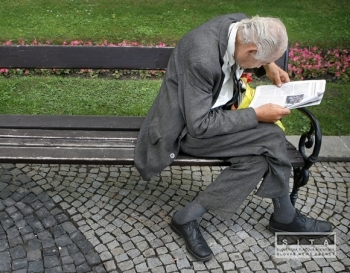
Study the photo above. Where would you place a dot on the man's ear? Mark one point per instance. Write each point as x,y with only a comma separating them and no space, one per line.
253,51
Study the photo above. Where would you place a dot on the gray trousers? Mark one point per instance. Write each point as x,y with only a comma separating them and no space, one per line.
256,154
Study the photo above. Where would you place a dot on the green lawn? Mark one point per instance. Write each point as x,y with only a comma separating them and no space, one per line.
333,113
321,23
76,96
310,22
81,96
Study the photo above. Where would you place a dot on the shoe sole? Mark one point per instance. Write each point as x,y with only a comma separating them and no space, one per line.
202,259
273,230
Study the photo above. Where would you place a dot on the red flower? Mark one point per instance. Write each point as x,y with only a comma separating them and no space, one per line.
248,76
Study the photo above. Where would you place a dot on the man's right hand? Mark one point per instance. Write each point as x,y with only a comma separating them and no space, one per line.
270,112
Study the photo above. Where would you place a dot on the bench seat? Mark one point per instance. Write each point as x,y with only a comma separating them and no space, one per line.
84,140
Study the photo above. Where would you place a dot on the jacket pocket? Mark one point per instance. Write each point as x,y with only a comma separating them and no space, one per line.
153,131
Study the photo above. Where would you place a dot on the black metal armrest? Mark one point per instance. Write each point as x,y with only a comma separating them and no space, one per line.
311,139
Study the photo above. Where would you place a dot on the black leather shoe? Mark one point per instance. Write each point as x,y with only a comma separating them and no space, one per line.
195,242
300,223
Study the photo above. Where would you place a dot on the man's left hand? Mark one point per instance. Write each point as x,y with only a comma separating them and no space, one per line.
276,74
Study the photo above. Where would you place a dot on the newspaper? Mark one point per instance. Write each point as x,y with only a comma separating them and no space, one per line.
290,95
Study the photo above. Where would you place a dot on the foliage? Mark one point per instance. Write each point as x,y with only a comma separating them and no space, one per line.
305,62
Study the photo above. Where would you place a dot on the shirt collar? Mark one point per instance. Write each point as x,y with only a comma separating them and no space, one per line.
231,43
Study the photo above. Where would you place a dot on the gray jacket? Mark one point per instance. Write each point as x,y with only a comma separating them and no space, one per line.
190,88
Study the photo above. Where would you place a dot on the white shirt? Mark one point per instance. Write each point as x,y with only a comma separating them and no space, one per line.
226,91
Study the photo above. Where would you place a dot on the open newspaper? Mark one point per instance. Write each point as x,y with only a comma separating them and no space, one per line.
290,95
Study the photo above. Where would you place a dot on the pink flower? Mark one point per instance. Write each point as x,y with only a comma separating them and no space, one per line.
4,70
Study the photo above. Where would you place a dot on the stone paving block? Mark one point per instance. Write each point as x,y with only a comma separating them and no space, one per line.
5,261
83,268
311,266
36,266
51,261
51,251
337,266
19,264
17,252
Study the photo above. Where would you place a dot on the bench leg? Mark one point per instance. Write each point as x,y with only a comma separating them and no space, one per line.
301,177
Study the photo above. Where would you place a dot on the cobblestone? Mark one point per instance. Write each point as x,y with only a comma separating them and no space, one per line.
70,218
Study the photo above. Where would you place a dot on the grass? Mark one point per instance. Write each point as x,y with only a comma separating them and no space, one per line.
333,113
76,96
311,22
321,23
81,96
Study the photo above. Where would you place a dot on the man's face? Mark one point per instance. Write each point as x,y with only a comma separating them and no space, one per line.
247,60
244,56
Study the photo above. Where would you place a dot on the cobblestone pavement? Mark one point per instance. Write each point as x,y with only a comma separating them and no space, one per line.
69,218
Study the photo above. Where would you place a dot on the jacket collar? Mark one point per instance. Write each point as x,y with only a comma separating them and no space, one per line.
223,41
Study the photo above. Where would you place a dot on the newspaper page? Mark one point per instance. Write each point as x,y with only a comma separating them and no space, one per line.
290,95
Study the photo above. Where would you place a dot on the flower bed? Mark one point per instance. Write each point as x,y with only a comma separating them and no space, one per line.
313,62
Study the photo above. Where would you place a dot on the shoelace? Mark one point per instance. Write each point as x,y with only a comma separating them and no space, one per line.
194,228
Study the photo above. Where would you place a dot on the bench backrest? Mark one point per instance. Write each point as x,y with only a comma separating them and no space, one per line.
94,57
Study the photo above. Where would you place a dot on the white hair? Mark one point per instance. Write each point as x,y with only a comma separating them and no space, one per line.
267,33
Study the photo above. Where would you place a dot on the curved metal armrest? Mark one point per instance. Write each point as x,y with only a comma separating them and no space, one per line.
312,138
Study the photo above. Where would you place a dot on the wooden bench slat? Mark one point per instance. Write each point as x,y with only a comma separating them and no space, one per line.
72,122
77,142
100,155
67,155
62,143
101,57
66,134
84,155
39,136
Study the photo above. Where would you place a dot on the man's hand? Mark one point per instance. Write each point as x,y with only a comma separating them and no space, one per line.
271,112
276,74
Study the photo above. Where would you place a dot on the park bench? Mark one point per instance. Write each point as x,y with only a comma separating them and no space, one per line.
108,140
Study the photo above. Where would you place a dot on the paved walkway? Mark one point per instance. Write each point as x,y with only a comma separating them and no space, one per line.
67,218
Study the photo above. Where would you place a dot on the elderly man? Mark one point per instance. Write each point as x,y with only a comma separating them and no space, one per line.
192,113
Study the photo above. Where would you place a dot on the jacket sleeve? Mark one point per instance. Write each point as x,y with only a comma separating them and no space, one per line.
203,122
